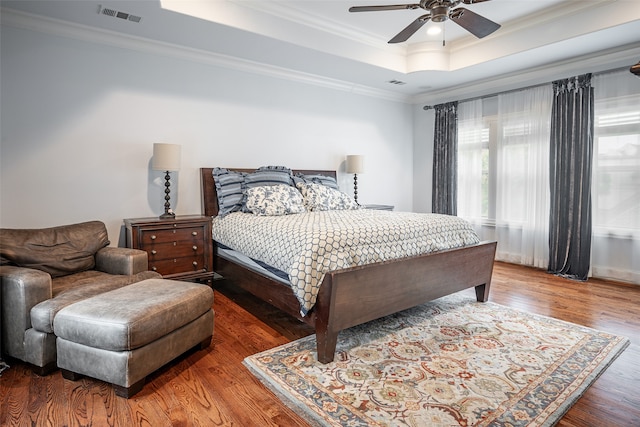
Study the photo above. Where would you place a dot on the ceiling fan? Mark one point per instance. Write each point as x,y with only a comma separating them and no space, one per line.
438,11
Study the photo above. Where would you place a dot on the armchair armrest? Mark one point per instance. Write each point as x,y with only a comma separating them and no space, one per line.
21,288
125,261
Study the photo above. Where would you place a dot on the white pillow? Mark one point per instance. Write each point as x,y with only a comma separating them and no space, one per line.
319,197
271,200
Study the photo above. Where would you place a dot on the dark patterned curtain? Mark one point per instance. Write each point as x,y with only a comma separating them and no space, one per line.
570,177
445,166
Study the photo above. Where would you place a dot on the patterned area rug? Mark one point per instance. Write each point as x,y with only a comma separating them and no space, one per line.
451,362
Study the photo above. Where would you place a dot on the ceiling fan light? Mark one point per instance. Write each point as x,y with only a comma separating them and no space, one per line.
439,13
434,30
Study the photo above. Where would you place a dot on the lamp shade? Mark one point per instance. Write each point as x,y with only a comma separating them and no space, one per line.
355,164
166,157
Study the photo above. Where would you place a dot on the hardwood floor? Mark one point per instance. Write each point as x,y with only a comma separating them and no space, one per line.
213,388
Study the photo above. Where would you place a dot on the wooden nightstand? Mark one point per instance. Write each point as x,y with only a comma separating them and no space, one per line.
379,207
179,248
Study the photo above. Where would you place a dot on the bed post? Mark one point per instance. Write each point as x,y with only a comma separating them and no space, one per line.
326,334
482,292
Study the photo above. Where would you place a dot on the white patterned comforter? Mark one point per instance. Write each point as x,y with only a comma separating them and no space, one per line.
308,245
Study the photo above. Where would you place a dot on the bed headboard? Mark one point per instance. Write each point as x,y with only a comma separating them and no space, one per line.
208,187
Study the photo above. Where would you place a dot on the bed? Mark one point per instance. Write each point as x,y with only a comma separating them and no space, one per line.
351,296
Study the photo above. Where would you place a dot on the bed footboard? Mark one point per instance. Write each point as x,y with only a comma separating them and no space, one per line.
360,294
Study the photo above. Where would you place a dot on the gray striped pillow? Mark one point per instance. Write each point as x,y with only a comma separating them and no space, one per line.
268,175
229,189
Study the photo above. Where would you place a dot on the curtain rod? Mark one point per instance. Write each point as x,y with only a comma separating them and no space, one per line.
431,107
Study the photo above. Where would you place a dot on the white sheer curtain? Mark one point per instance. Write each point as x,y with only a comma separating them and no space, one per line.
522,180
472,146
503,172
616,177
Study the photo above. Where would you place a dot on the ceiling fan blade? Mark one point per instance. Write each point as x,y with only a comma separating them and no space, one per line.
477,25
388,7
473,1
410,29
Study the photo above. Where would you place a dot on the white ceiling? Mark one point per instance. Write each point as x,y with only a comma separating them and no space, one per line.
320,39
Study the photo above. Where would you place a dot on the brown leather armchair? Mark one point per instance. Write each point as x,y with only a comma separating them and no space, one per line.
44,270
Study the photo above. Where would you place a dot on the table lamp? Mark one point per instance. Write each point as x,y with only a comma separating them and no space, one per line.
355,165
166,157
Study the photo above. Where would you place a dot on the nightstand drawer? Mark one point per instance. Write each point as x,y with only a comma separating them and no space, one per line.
162,251
176,235
177,265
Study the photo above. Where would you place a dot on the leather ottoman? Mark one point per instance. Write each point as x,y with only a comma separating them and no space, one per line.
121,336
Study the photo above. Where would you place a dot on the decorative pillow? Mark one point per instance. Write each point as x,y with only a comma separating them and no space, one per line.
264,176
268,175
229,190
325,180
322,198
272,200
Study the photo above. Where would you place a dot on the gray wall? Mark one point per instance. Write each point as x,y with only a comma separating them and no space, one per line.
79,119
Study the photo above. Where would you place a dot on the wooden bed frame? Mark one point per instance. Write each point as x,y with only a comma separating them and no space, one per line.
351,296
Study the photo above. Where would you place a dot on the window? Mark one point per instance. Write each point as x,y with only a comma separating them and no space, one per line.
473,165
616,165
503,172
615,189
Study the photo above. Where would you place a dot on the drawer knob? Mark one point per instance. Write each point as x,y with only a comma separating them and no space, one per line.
153,237
194,247
154,268
153,252
195,263
194,233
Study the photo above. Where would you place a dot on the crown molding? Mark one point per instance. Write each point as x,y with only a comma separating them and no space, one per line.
593,63
299,15
37,23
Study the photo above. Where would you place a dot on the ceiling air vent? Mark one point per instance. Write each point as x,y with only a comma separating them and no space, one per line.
396,82
118,14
